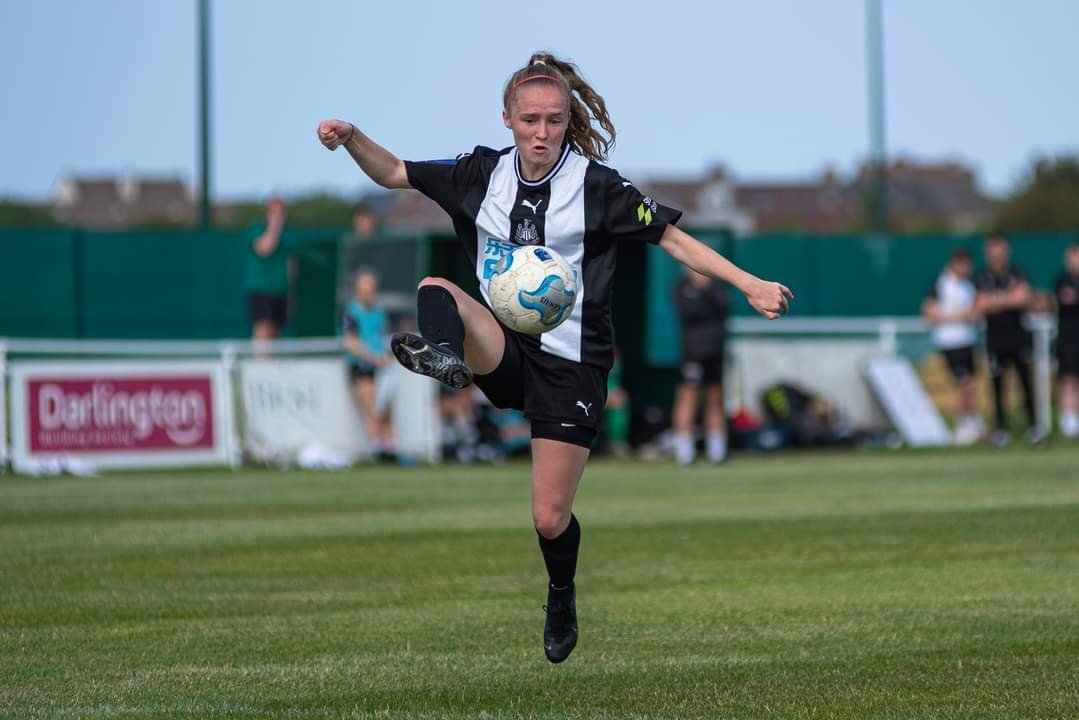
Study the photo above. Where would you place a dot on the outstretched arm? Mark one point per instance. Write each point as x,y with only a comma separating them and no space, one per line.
770,299
377,162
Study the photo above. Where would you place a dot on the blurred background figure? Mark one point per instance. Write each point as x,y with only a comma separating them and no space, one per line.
616,413
702,310
364,222
950,309
1067,297
364,330
266,277
1004,296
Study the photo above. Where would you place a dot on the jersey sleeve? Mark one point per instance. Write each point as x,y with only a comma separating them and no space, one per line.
444,181
629,214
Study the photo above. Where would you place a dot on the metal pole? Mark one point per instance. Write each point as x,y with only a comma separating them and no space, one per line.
205,220
1043,371
875,69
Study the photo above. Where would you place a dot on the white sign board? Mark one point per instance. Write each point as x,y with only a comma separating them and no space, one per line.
290,405
830,368
900,392
130,414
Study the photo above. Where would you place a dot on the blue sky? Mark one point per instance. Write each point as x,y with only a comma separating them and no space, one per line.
770,88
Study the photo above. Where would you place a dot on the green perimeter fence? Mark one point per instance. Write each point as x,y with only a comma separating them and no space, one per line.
189,284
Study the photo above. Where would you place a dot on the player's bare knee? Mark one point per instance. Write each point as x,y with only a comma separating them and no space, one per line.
550,523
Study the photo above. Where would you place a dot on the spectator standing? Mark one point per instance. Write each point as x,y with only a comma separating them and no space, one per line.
1066,290
266,273
1003,297
702,309
950,309
364,331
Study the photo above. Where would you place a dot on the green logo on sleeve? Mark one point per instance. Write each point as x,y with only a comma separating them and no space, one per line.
644,214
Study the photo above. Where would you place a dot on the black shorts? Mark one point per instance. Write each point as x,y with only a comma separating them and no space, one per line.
960,362
358,372
267,307
563,399
1068,356
703,371
1001,356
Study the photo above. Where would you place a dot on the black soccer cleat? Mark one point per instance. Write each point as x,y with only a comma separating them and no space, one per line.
426,358
560,630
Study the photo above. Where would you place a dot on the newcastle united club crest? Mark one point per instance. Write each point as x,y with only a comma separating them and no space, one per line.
526,233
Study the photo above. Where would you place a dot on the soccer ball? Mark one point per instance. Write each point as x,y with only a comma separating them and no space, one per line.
532,289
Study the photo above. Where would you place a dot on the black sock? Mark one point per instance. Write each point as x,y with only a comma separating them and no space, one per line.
560,554
439,320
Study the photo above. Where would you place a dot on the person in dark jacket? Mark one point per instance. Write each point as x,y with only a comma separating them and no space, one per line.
702,310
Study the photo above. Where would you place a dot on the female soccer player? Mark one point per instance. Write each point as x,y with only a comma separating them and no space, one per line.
550,189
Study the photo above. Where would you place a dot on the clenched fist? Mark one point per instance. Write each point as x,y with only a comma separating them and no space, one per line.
334,133
770,299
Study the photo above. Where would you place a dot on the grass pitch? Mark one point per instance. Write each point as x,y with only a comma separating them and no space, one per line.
863,585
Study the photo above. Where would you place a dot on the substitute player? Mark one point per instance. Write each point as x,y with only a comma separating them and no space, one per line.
1003,297
548,188
1067,295
702,310
950,309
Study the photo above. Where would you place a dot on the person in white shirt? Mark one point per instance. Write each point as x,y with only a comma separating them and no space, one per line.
950,309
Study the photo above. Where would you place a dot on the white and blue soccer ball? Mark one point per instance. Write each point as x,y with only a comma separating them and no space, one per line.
532,289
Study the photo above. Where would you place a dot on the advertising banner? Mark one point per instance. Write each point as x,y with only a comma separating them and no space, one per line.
292,405
119,414
303,411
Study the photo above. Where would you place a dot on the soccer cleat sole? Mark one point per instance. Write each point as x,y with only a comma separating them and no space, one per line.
419,356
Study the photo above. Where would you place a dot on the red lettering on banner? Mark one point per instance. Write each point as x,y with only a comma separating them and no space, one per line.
104,413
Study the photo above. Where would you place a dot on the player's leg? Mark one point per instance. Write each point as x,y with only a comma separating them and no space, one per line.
363,388
557,467
686,401
1068,385
458,335
1069,405
996,372
1024,369
715,422
961,362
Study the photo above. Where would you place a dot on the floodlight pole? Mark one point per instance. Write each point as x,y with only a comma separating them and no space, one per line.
205,219
875,72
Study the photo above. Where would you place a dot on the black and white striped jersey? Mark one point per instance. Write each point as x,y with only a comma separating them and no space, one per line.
581,208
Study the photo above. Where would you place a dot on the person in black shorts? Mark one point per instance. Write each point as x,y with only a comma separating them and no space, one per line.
548,188
1066,290
702,310
266,273
1003,297
950,308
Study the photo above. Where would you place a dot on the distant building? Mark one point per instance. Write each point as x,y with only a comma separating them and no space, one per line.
711,202
931,196
115,203
921,197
